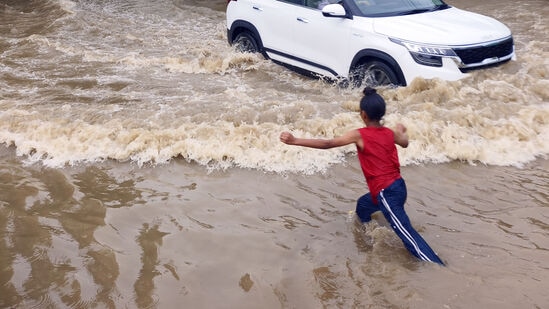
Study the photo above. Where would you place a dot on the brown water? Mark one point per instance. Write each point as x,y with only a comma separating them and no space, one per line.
140,168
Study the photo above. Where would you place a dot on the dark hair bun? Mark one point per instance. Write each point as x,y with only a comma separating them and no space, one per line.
369,91
373,104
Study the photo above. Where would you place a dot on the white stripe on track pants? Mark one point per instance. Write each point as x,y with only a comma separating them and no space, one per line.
391,203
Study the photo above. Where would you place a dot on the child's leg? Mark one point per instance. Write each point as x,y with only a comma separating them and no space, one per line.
392,205
365,207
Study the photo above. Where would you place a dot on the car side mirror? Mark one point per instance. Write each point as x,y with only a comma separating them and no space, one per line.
334,10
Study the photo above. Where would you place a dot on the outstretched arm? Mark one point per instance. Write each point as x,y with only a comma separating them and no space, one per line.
401,137
350,137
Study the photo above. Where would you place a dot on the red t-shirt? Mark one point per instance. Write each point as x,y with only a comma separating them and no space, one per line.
378,159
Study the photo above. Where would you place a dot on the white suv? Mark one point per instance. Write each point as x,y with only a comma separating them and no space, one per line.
377,42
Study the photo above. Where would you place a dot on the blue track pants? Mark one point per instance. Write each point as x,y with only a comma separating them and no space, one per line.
391,203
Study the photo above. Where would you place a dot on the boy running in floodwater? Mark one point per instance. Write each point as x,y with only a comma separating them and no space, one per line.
378,158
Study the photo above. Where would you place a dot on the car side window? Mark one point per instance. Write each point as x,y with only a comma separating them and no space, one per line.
316,4
299,2
312,3
319,4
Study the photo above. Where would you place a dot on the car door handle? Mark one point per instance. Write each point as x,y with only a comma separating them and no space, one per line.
303,20
257,8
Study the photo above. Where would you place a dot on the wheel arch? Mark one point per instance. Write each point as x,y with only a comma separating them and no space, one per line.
367,55
239,26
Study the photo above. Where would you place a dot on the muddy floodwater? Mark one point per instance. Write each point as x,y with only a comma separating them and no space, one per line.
140,167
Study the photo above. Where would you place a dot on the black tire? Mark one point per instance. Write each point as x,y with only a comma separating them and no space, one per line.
245,42
374,73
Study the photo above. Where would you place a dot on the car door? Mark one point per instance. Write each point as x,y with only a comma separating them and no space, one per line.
321,43
277,30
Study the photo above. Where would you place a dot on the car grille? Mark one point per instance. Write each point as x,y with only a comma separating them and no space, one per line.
476,54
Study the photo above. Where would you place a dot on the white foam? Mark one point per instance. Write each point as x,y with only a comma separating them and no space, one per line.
145,83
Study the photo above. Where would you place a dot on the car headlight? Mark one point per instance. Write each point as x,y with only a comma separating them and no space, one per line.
426,54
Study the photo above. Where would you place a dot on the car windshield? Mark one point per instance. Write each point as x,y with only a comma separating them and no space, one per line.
373,8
